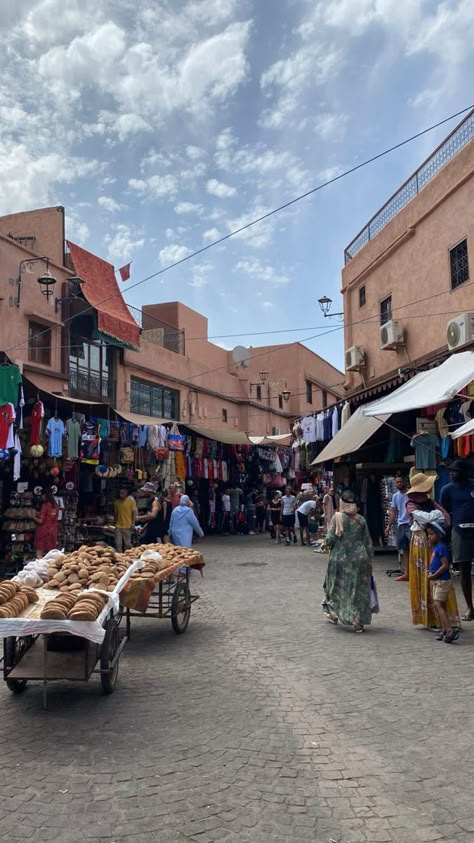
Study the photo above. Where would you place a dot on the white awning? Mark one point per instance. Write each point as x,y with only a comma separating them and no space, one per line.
277,439
465,430
227,437
139,420
352,436
427,388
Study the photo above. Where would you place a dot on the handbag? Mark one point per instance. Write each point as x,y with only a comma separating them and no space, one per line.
161,454
175,439
126,455
374,600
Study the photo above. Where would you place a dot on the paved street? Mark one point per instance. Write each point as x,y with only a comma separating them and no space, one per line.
262,723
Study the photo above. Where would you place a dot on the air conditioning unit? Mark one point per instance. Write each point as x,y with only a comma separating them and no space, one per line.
460,331
355,358
391,335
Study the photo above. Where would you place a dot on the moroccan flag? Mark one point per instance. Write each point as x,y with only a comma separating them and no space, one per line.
125,272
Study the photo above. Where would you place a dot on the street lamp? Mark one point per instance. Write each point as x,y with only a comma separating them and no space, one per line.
325,304
264,375
285,394
46,281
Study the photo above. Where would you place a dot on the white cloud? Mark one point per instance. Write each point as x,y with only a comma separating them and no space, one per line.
219,189
125,243
200,275
173,253
267,305
261,272
194,152
76,229
211,235
155,187
108,204
259,235
188,208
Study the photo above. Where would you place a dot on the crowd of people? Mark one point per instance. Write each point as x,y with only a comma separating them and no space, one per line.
435,541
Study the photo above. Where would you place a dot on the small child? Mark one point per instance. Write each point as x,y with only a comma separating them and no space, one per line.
440,581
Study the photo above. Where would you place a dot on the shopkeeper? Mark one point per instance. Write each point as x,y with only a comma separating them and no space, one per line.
152,520
125,515
46,533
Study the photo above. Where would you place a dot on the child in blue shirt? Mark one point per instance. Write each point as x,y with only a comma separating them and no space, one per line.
440,580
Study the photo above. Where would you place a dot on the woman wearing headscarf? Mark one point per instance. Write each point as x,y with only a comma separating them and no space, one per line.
423,511
184,524
348,577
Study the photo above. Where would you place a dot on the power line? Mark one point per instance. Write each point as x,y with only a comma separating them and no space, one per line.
269,214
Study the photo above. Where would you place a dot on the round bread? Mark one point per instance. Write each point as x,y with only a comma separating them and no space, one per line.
55,614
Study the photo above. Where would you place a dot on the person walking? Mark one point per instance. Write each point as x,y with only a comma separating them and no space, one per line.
46,533
348,576
288,515
399,515
153,528
457,497
125,509
440,581
328,507
304,511
275,515
423,512
184,524
226,513
260,510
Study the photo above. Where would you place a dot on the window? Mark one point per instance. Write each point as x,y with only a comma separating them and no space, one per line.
309,392
224,415
386,310
361,296
39,344
91,370
152,399
324,398
259,392
459,264
280,401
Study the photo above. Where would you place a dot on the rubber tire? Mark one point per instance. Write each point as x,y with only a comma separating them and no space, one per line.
10,644
180,593
108,649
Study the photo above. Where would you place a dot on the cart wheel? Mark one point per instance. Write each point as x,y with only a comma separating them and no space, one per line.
108,650
181,608
13,649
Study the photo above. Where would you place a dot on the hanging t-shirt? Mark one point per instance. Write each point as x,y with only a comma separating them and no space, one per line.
55,430
37,416
7,417
73,430
425,445
335,421
10,380
308,423
320,427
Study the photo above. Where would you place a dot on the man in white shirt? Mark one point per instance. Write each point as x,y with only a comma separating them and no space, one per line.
304,511
288,515
226,513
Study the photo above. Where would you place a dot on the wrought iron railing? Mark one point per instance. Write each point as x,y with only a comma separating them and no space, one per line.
156,331
90,386
450,147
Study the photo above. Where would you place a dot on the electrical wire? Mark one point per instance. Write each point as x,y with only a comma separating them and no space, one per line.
269,214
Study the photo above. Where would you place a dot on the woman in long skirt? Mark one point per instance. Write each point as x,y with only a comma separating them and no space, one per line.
348,576
422,609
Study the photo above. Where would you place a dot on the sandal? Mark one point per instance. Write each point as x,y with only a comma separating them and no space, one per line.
441,635
453,636
330,618
359,629
469,616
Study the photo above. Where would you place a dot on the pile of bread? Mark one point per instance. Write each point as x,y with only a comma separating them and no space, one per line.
14,598
95,566
170,554
75,607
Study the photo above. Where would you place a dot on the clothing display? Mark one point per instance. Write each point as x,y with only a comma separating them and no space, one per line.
73,432
55,431
425,446
7,417
37,416
10,380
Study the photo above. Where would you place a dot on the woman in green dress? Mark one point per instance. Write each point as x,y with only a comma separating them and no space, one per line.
348,577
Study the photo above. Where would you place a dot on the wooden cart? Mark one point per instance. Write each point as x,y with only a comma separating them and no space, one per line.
171,598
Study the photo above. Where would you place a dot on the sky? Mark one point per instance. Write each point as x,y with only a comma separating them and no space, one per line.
162,125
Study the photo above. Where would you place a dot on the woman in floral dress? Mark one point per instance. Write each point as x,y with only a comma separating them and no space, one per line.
46,533
348,577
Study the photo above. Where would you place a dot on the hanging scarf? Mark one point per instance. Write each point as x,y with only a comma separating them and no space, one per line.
349,509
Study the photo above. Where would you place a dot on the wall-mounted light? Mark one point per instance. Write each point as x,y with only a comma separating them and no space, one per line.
264,375
285,394
46,281
325,304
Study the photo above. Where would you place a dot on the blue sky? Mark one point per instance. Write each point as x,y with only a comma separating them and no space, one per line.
164,125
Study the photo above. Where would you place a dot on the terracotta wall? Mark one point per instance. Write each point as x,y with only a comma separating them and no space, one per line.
46,225
409,260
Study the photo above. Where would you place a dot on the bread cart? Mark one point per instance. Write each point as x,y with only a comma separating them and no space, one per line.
171,598
39,650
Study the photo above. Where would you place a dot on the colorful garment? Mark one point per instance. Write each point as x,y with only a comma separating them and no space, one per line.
422,609
347,583
46,535
7,417
10,380
73,430
37,415
55,430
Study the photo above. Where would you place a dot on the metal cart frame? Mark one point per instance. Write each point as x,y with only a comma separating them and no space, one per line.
29,659
171,598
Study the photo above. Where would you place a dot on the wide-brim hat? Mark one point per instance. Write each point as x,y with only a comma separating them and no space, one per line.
149,487
421,483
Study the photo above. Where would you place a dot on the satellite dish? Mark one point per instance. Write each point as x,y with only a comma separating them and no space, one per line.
241,356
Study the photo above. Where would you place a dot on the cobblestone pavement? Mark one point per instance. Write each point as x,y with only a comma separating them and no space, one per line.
261,723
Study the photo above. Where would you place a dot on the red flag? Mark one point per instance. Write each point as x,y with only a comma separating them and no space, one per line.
125,272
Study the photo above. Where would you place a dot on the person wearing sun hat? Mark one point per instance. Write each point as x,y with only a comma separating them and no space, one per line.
424,511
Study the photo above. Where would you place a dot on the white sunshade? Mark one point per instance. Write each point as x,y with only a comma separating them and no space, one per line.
274,439
352,435
427,388
465,430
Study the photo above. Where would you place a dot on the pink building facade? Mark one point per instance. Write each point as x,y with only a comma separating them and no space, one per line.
156,362
408,274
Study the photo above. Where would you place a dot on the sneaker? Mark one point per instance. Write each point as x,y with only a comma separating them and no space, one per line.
251,533
287,542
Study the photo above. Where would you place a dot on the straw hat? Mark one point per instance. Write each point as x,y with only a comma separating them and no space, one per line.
422,483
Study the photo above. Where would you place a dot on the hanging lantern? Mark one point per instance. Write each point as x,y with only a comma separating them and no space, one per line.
47,284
